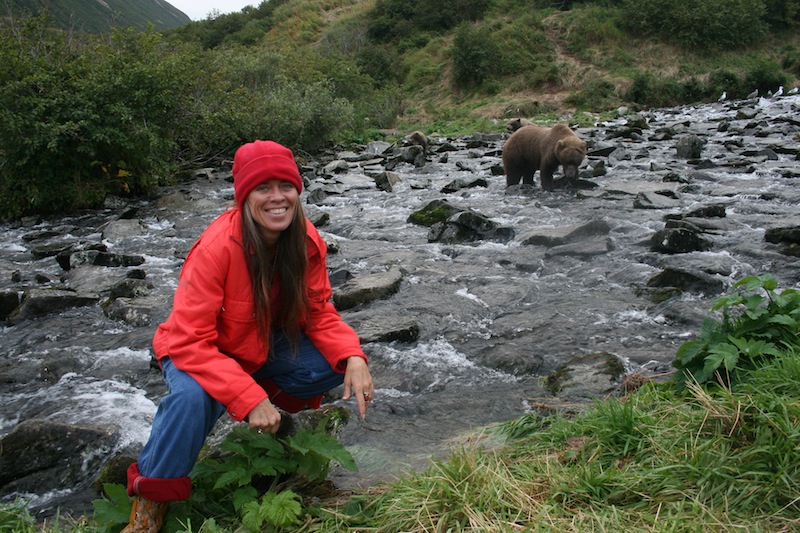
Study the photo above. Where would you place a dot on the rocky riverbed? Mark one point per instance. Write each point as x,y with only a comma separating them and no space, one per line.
469,297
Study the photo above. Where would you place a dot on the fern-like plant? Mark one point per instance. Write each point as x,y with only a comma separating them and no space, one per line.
247,483
754,323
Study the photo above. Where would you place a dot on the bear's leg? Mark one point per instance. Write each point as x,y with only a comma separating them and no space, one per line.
527,179
546,176
512,178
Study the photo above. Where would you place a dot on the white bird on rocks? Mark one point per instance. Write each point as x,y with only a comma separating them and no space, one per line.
779,92
794,90
723,97
753,94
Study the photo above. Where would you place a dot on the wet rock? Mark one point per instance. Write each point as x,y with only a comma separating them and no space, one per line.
41,455
679,240
107,259
122,228
125,310
9,300
40,302
585,377
468,226
387,180
560,236
789,237
689,147
384,328
367,288
649,200
436,211
688,281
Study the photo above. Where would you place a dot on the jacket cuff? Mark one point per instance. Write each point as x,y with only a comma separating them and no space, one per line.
241,406
158,489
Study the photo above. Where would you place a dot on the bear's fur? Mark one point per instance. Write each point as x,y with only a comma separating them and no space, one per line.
516,123
533,148
418,138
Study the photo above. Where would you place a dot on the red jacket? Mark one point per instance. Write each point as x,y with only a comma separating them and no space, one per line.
211,333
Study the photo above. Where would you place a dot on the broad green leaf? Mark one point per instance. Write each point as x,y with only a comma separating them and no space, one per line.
243,496
726,355
281,509
251,516
232,477
114,507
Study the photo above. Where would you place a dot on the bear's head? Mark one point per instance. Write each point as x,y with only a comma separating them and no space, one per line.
516,123
570,153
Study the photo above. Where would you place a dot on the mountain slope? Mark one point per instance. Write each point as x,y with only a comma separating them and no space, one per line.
98,16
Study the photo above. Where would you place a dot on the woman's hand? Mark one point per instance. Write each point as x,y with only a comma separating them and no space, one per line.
358,382
264,417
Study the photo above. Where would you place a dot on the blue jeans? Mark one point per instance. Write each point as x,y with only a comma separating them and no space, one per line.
187,414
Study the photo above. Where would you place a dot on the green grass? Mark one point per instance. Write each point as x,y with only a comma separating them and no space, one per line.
656,460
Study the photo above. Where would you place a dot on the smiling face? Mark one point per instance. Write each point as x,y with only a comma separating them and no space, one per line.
272,205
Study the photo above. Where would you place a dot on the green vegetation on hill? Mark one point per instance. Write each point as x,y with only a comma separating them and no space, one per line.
100,17
122,111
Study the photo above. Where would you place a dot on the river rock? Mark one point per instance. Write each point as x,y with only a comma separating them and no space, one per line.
39,302
42,455
366,288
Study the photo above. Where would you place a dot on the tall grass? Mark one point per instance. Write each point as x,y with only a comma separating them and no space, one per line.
655,460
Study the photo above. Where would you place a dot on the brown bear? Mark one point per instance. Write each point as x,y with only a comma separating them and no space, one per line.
533,148
418,138
516,123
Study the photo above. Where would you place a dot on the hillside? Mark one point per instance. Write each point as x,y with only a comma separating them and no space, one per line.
98,16
467,60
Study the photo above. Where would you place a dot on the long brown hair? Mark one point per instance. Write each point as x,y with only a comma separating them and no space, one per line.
285,263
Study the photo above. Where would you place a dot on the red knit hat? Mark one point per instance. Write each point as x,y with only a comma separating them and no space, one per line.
260,161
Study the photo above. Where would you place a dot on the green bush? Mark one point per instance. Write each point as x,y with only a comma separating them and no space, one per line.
783,14
474,55
791,61
252,480
721,81
597,95
649,90
391,20
706,25
755,324
764,75
593,25
86,115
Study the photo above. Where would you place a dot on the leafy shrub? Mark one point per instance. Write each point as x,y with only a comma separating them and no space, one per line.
593,25
721,81
791,61
86,115
250,479
391,20
783,14
756,324
474,55
651,91
597,94
706,25
380,63
765,76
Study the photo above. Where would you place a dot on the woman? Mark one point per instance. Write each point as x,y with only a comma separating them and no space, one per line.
252,328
